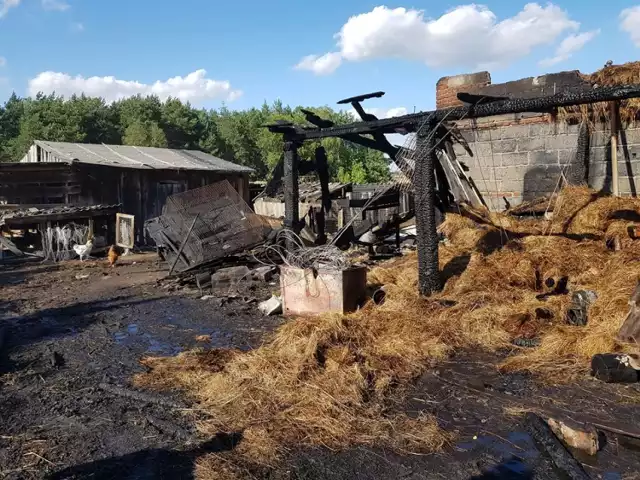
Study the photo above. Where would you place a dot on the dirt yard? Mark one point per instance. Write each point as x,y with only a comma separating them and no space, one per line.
73,333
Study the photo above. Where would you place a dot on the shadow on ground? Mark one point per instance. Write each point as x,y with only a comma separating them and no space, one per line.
151,464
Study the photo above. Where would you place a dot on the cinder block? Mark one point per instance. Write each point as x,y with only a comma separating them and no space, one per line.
599,138
629,185
468,135
480,135
514,159
512,185
559,142
540,130
484,151
543,157
598,154
566,157
632,136
597,182
515,131
459,150
571,129
628,152
599,169
531,144
630,168
505,146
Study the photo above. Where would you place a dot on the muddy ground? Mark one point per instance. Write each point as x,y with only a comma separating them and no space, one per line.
71,329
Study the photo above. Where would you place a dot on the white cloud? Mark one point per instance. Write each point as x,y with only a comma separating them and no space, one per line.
394,138
630,23
467,36
77,27
6,5
3,62
194,87
320,64
570,45
381,112
55,5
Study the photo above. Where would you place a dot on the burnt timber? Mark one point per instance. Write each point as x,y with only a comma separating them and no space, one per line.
427,124
412,122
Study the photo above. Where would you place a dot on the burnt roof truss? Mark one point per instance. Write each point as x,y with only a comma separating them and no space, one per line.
434,132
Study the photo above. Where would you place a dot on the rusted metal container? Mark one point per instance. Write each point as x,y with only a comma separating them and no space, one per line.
308,291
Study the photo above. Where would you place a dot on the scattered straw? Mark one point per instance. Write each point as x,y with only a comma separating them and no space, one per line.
614,75
333,380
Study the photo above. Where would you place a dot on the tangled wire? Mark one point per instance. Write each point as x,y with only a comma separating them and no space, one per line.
297,255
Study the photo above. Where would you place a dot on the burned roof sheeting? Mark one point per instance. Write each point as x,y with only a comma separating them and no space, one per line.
60,213
126,156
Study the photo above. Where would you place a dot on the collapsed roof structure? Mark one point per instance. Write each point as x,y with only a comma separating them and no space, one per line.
434,133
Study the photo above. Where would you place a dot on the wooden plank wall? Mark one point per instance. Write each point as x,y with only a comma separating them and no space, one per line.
39,183
143,193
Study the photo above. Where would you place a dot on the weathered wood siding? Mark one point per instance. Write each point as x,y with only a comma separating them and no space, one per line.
142,193
38,183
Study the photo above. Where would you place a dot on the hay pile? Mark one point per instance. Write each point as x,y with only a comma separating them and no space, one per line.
615,75
333,381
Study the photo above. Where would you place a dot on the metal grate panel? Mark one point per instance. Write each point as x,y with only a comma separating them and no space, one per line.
224,224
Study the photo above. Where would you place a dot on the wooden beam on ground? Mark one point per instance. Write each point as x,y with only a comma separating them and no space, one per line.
9,245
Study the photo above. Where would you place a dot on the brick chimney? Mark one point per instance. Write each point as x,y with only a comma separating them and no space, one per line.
448,87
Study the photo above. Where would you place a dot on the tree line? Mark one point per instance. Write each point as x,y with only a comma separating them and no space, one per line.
234,135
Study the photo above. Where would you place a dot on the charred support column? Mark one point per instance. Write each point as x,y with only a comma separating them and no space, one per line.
291,192
424,182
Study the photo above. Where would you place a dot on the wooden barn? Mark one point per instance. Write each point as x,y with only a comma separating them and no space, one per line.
138,178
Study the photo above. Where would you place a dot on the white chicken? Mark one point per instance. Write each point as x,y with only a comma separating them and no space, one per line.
84,250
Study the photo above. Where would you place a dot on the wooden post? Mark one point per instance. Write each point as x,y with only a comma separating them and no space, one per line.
424,184
615,182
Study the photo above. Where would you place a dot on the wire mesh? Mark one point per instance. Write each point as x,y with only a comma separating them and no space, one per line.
58,242
224,225
125,234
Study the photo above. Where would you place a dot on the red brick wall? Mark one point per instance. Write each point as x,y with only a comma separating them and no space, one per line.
448,87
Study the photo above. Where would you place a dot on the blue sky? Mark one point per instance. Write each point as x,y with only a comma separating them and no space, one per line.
255,45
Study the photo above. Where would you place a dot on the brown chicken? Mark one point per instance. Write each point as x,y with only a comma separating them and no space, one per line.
113,255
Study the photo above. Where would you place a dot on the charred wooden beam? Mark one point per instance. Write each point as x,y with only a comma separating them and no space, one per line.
378,142
291,190
424,184
412,122
322,167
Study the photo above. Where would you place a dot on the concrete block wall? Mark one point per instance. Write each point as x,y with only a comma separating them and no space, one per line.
522,156
524,161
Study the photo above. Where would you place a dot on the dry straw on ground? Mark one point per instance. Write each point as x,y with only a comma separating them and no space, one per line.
334,380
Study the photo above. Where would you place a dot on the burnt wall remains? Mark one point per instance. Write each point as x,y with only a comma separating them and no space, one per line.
523,156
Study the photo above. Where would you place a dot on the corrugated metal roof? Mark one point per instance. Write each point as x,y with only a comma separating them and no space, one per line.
125,156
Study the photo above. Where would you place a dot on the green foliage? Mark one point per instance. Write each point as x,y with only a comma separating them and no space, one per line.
144,134
237,136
